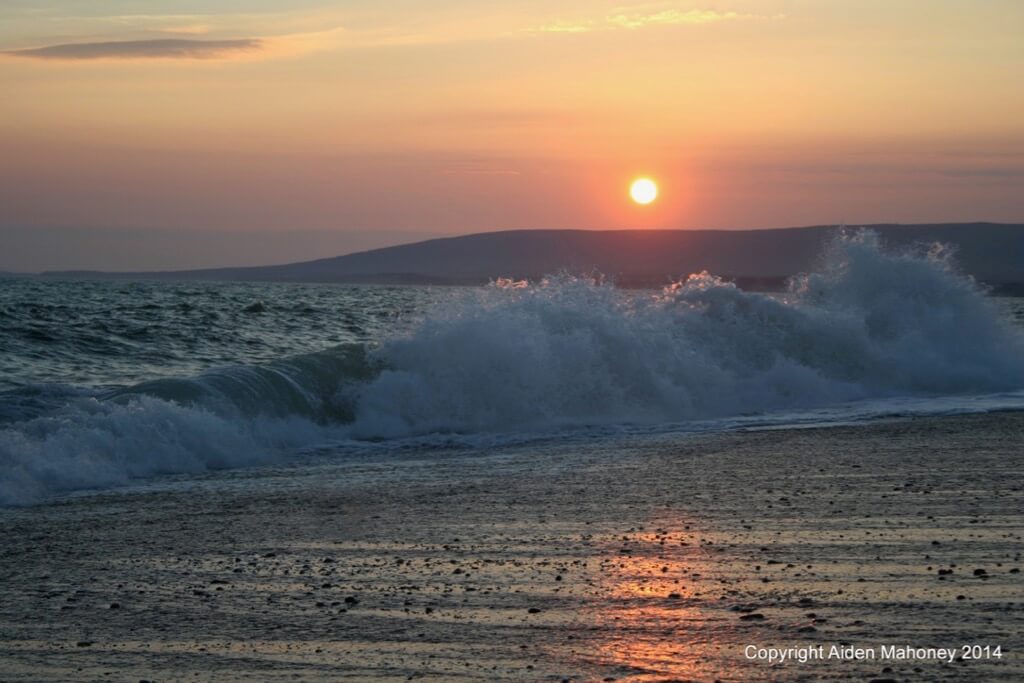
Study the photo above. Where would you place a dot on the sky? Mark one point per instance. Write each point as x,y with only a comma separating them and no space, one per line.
139,134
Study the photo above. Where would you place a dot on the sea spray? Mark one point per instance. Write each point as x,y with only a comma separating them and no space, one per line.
227,417
577,351
520,358
92,444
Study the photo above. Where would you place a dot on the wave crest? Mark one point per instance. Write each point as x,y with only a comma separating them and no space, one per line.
521,357
570,350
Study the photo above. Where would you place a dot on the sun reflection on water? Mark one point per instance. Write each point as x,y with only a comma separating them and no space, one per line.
654,623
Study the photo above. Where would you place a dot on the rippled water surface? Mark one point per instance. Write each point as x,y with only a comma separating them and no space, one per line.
104,333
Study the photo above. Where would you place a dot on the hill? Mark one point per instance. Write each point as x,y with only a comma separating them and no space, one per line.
991,252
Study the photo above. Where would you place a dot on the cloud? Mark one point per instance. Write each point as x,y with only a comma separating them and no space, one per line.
167,48
671,16
566,27
650,16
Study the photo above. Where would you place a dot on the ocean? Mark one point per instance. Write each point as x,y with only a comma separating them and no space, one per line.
107,382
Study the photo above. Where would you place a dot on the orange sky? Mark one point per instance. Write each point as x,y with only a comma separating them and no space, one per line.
455,116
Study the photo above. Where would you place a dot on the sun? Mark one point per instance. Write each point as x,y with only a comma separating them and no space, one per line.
643,191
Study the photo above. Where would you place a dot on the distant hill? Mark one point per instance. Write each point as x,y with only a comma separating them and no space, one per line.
991,252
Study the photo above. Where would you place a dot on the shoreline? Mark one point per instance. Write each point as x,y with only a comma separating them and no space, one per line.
637,558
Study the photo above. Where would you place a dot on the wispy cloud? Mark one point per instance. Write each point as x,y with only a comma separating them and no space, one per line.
167,48
566,27
643,17
671,16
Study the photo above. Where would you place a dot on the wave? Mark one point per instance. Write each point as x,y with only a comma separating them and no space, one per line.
94,444
317,386
227,417
568,351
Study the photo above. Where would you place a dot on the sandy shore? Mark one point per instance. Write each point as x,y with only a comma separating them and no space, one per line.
650,558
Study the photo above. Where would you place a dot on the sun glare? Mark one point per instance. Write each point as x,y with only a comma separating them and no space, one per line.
643,191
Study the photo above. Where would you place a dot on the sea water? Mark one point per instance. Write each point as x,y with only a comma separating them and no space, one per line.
105,381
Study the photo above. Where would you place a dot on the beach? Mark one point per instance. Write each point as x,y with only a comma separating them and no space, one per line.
728,556
526,342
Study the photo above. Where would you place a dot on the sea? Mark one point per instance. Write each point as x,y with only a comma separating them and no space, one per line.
106,382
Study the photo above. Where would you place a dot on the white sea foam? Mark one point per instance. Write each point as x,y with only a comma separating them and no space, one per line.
569,351
96,444
577,351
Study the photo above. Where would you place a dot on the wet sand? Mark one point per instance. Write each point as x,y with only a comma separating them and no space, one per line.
640,558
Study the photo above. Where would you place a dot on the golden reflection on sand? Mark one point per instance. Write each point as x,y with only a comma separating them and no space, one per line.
652,625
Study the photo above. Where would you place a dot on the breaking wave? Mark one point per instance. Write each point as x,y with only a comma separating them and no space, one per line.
565,352
573,350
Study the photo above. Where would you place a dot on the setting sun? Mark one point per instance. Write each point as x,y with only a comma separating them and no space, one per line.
643,191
